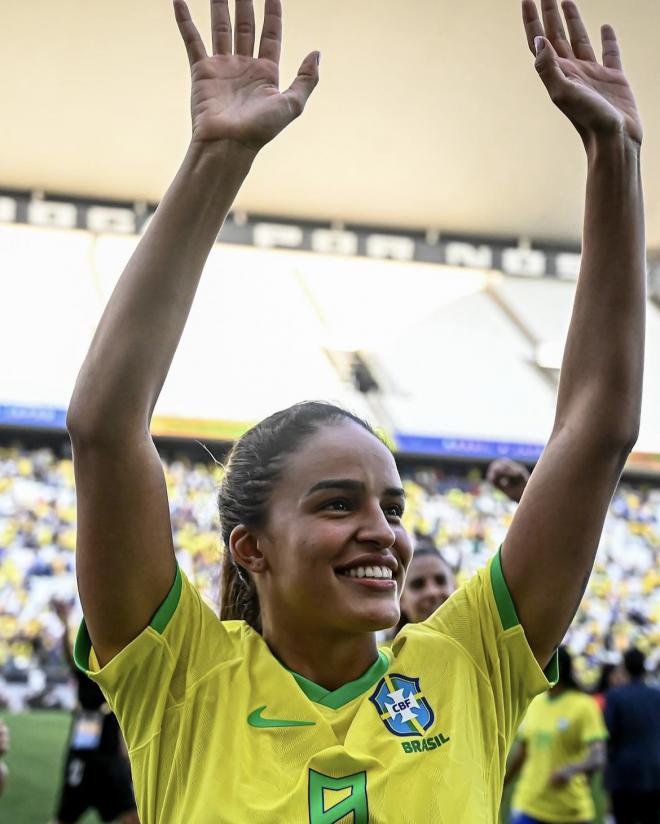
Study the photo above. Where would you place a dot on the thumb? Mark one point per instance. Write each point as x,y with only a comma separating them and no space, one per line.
547,66
306,81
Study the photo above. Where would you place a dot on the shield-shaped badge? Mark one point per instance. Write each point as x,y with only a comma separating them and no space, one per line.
401,705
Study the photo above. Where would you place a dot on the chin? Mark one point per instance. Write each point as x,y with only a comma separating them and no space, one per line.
377,620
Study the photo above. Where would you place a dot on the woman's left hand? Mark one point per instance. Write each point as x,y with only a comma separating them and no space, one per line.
595,97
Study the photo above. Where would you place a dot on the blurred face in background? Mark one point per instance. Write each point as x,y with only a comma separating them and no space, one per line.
429,583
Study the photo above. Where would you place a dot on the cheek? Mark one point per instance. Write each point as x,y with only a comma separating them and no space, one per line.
404,549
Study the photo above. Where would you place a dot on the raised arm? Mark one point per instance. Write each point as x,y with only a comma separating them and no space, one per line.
549,550
125,560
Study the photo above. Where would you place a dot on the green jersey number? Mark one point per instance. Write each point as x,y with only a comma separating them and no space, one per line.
332,799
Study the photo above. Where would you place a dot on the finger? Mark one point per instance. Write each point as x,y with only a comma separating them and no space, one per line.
532,23
300,90
547,65
191,37
554,28
244,28
221,26
611,50
270,46
580,42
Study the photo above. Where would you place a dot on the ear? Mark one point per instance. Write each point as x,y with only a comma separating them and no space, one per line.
244,547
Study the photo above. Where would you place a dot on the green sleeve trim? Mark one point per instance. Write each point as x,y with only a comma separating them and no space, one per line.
596,738
159,622
503,599
551,672
82,648
167,609
343,695
507,610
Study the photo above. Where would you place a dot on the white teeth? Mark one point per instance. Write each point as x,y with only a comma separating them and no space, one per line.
369,572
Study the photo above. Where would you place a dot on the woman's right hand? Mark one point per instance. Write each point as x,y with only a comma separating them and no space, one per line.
236,96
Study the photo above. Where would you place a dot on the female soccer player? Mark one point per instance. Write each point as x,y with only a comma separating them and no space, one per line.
293,714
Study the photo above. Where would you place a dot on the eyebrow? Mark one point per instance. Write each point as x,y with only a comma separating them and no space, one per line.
352,486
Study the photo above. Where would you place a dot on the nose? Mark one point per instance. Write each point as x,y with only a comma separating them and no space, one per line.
376,529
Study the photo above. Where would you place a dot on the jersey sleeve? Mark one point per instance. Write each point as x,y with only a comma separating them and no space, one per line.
481,618
183,641
592,727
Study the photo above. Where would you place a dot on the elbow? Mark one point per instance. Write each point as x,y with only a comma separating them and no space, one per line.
98,430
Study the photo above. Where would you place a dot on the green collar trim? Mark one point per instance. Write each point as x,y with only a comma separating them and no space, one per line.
345,694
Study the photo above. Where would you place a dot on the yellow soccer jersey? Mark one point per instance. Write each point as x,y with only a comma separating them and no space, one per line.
557,731
218,730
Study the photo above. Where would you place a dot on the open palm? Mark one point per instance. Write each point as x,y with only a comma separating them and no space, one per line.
236,96
596,97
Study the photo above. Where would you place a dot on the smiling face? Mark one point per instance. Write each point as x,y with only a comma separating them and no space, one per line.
429,583
334,549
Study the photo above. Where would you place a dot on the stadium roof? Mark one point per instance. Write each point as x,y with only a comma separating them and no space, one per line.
429,114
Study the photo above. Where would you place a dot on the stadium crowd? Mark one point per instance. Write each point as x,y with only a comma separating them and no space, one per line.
463,515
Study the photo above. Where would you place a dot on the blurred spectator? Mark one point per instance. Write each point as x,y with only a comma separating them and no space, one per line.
97,774
429,582
562,746
632,715
610,676
464,515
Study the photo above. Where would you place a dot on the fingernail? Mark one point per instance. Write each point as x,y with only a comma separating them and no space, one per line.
318,58
539,44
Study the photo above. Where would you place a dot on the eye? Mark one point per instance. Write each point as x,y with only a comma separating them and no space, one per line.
393,511
337,505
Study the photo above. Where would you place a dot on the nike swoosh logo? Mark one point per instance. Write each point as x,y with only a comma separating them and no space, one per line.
256,719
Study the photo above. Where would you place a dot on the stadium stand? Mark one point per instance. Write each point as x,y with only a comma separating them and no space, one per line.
462,513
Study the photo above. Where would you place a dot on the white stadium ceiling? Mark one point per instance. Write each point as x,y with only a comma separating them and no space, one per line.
428,115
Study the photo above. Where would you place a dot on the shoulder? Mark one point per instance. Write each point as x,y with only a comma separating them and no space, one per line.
585,702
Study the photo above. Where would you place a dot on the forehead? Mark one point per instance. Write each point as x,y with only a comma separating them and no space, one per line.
425,565
343,450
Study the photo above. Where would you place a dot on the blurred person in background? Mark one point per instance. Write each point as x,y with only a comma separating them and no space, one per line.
431,579
562,744
632,715
97,774
429,583
611,676
4,749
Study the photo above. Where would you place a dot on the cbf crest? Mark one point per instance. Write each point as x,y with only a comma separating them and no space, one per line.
401,705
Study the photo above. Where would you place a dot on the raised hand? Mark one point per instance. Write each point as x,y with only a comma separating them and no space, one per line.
236,96
595,97
509,477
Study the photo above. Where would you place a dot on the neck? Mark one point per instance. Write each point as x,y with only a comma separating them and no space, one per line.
328,660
